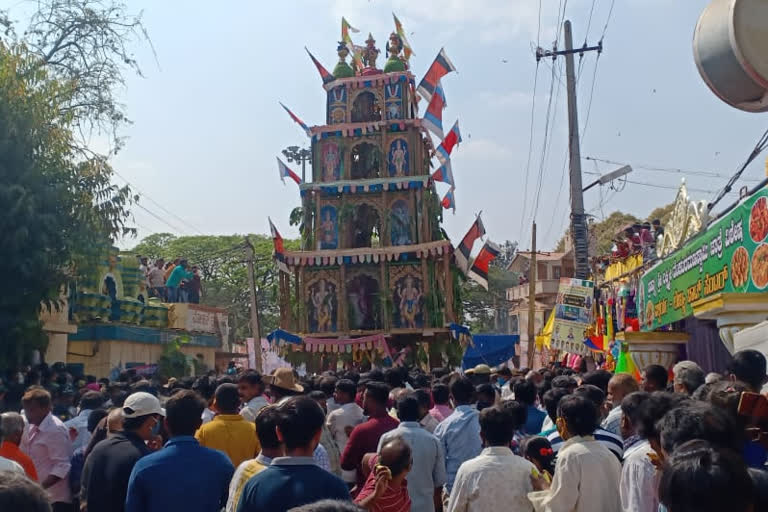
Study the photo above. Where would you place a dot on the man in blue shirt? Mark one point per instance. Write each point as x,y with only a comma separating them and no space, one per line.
183,475
459,433
427,475
293,480
178,274
525,393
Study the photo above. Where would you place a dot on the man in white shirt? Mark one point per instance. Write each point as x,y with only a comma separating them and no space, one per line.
619,386
497,478
10,465
250,385
587,474
78,426
639,478
346,417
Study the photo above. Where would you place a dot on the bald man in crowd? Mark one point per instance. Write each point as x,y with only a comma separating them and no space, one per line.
619,386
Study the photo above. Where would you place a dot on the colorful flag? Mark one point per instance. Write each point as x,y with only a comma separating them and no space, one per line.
407,50
451,140
479,270
444,174
464,249
298,121
439,68
449,201
324,73
346,28
277,240
355,51
285,172
433,117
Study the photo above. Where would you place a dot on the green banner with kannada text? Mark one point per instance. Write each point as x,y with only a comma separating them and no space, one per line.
730,256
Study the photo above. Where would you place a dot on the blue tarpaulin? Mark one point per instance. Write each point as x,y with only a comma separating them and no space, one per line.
490,349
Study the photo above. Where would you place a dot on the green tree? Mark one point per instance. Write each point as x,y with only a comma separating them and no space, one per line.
486,311
604,231
224,273
663,213
56,204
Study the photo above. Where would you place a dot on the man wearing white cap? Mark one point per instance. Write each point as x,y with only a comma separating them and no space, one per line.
109,465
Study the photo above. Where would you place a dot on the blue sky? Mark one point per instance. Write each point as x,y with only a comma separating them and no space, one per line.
207,124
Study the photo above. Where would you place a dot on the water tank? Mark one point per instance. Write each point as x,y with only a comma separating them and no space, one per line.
730,47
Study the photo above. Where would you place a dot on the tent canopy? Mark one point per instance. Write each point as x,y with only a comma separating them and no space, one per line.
490,349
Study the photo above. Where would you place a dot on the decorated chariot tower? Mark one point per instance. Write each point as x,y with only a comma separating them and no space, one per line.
374,275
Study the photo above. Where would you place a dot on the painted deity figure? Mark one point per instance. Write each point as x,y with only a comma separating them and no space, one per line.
398,155
401,222
331,161
328,230
322,306
410,295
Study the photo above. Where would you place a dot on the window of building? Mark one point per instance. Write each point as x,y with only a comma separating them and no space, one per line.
556,271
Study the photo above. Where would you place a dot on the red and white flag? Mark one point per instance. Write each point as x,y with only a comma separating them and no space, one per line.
464,249
479,270
285,172
279,253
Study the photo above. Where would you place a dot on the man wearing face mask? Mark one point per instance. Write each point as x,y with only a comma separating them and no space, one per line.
108,467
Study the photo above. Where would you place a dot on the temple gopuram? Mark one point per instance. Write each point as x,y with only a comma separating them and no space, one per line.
375,280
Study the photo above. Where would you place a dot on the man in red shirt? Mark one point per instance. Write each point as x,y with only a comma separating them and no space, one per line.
11,429
365,437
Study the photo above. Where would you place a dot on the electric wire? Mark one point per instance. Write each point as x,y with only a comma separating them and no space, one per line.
158,204
762,143
156,216
669,170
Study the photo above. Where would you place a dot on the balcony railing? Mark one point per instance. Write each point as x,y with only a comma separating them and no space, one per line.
542,287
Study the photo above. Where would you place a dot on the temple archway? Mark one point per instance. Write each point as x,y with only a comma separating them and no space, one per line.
365,227
366,161
364,303
365,108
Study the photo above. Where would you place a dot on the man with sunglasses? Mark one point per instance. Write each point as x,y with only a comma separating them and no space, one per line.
108,467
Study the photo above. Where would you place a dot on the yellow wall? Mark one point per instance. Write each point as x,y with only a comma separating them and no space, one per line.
108,354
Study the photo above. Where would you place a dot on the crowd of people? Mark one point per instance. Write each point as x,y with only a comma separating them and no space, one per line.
172,281
548,440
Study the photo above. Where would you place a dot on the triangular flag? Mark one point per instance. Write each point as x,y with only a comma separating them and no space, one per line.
441,66
277,240
449,201
407,50
479,270
433,117
298,121
324,73
462,252
450,141
444,174
285,172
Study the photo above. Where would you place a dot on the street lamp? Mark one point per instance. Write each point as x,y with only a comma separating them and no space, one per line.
297,154
607,178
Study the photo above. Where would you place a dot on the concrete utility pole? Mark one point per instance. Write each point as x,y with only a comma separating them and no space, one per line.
255,326
532,299
578,218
